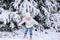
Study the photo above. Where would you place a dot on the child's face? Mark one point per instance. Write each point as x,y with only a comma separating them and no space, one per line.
28,16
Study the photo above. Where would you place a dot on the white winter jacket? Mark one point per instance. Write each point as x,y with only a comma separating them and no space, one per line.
29,23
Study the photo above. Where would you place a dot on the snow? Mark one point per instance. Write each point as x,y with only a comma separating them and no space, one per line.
16,3
18,35
32,6
4,16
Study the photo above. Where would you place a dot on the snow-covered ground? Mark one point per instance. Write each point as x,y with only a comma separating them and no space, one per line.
18,35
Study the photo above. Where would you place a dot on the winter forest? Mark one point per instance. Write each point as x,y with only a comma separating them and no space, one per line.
45,12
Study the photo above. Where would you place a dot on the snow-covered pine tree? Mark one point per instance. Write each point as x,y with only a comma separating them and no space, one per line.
27,6
42,10
32,7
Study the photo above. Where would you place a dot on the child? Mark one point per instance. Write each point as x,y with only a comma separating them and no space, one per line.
29,24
